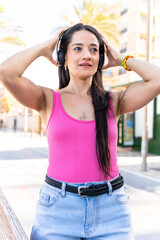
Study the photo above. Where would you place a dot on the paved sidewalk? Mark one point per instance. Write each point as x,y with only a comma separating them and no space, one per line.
131,160
23,164
128,158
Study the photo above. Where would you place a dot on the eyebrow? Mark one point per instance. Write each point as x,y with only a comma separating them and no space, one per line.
92,44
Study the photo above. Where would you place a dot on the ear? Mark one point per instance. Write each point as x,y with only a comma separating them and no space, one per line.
66,62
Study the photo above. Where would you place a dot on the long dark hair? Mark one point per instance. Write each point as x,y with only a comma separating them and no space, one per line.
100,98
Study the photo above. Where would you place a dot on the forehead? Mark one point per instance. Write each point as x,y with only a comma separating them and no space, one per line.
84,36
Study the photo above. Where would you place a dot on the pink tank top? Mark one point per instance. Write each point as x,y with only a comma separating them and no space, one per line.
72,146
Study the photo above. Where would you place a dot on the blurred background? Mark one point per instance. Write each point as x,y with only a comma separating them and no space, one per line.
132,27
24,23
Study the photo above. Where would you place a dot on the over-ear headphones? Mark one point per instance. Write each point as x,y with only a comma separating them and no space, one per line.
60,52
60,58
101,60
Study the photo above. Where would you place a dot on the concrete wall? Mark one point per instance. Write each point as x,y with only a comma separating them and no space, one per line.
33,122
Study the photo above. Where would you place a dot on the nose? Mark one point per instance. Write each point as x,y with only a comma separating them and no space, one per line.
86,54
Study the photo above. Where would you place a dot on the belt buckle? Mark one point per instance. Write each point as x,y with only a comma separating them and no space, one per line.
79,191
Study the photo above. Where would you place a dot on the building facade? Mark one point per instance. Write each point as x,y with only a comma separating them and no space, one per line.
132,23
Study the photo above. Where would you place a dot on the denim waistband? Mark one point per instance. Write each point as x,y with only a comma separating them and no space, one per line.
106,186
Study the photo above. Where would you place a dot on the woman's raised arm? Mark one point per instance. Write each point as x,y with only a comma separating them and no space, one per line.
12,69
138,94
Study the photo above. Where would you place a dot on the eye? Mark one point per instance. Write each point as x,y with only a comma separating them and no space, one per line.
77,49
94,50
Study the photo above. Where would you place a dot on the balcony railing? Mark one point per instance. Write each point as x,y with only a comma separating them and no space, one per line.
124,11
122,50
124,30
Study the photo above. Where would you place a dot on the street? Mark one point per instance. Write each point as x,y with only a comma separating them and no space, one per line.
23,165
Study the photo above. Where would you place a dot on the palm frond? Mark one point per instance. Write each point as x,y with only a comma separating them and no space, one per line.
13,40
78,11
1,9
6,26
95,13
3,24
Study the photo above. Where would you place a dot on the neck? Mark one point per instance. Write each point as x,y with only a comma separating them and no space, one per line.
80,87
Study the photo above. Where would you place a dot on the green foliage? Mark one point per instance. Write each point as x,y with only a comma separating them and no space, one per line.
7,104
96,14
1,9
5,27
13,40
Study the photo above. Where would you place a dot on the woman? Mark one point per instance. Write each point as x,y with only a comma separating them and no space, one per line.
83,196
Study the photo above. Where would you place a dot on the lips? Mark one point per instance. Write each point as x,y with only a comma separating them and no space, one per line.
85,64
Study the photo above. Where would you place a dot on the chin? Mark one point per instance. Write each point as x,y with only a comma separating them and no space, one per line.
83,74
86,75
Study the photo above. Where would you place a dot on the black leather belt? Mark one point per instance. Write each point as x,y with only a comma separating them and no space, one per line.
92,190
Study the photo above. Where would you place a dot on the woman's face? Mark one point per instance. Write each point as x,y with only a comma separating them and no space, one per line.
82,55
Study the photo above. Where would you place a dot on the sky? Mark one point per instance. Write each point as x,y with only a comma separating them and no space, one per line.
39,19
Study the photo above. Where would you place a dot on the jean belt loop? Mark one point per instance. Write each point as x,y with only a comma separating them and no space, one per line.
63,189
109,188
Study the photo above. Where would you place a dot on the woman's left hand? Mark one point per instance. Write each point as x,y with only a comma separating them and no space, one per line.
114,58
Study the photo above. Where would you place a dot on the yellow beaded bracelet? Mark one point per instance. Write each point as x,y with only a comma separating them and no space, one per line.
124,62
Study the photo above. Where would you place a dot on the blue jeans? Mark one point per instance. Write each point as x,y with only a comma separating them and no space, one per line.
62,215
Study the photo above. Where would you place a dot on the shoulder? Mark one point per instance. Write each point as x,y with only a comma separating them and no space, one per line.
49,97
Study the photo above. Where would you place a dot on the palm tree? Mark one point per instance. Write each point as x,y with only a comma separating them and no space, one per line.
96,14
5,27
7,103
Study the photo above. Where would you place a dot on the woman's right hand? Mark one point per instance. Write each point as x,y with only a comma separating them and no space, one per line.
49,47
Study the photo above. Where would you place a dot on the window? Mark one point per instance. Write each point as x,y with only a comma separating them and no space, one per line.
123,46
124,26
124,8
143,19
